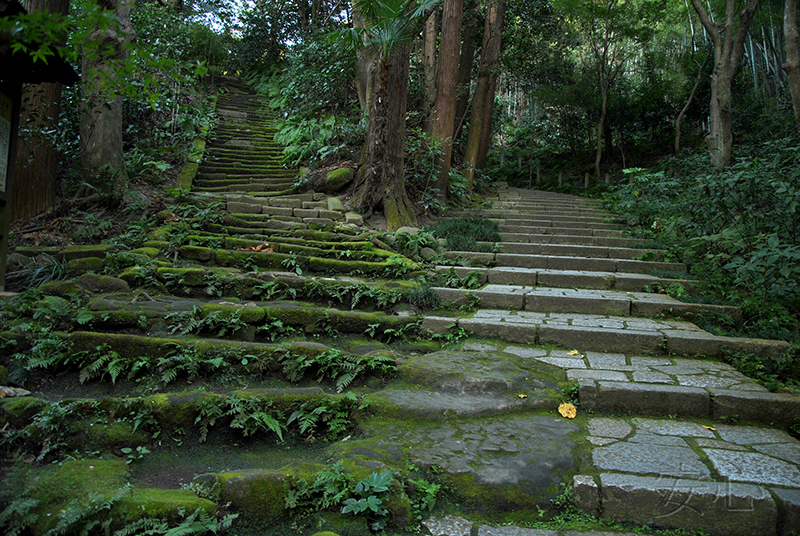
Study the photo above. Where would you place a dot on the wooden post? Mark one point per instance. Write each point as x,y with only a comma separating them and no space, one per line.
10,92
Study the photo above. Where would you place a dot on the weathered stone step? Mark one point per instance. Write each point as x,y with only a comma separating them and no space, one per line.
530,226
568,278
519,218
601,252
603,333
600,302
673,474
552,262
596,240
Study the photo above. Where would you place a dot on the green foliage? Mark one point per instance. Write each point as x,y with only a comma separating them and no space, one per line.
335,365
738,228
462,234
423,153
38,270
330,416
249,414
451,279
333,488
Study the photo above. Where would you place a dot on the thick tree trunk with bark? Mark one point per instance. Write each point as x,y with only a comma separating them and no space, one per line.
366,68
465,65
445,107
101,118
37,164
483,103
379,180
792,65
728,49
429,66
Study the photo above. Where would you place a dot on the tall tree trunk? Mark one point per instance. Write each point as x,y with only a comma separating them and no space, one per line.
101,118
366,68
465,65
598,154
445,107
35,173
792,64
429,67
379,180
728,50
484,93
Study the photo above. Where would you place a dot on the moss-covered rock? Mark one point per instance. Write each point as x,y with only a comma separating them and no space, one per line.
128,346
85,264
148,252
191,277
102,283
272,261
19,411
94,250
196,253
247,314
113,434
257,493
336,180
170,504
62,289
55,487
176,410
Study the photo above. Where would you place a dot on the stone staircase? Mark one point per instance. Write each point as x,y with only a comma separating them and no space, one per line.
253,295
242,156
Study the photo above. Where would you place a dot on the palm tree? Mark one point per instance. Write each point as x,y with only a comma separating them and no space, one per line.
390,26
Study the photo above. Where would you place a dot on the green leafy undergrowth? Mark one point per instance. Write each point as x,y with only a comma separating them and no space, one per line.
463,234
738,228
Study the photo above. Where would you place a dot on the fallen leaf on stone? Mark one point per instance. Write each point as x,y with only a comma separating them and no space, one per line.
567,410
709,427
573,352
522,395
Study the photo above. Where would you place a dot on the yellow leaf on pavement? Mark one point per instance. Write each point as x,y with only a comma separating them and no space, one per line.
573,352
567,410
708,427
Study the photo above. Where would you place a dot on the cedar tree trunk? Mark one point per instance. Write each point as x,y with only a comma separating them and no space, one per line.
445,107
379,180
101,118
483,102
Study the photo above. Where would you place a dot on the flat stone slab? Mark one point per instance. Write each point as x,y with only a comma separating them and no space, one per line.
439,404
511,462
470,372
714,507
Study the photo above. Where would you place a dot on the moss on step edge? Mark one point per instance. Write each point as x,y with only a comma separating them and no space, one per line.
72,483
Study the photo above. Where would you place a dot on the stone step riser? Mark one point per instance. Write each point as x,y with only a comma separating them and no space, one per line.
550,262
605,241
623,335
591,302
562,250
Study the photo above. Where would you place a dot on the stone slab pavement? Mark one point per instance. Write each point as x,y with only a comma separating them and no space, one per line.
602,332
458,526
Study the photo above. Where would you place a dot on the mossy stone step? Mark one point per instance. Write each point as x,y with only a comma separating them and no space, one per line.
57,488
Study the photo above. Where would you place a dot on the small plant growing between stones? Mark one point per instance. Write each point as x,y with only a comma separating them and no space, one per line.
291,263
333,488
368,502
396,266
134,455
